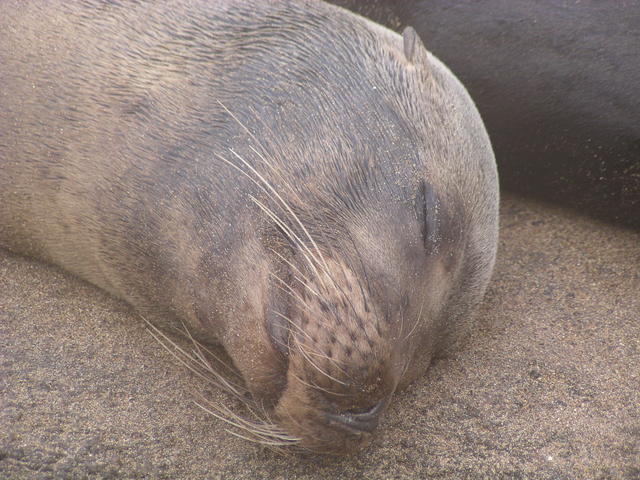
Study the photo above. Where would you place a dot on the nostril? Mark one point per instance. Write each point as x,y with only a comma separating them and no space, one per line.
368,411
366,421
363,411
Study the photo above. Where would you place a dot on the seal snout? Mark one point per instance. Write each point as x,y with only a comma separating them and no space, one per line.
366,421
340,371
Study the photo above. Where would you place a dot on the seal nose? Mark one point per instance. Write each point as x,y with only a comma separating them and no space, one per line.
358,422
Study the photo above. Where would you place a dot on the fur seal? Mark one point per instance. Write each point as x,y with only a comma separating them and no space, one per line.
554,82
304,187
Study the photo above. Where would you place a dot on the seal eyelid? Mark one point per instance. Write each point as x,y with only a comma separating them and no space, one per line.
430,205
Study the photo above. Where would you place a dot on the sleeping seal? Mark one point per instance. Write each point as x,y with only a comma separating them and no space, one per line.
313,192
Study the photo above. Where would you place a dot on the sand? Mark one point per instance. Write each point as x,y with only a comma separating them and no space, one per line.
547,388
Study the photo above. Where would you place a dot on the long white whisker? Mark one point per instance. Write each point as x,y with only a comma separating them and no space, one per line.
201,347
289,290
305,354
267,184
261,432
310,259
306,283
417,322
267,438
317,387
285,182
308,255
219,381
285,204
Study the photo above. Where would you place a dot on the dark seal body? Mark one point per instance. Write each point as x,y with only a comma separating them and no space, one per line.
306,188
556,84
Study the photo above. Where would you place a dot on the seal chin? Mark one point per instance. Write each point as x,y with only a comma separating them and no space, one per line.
334,410
324,427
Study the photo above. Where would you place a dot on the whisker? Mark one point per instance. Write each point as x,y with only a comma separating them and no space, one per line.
348,298
318,387
292,324
264,438
280,199
285,182
306,280
266,185
285,205
289,290
305,306
417,322
308,348
308,255
261,187
315,353
313,364
200,347
261,432
219,381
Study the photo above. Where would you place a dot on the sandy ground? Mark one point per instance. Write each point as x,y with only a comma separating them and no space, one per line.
548,388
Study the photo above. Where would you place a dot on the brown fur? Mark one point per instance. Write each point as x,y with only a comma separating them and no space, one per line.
277,176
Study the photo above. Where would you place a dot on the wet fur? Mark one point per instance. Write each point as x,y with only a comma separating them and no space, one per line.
276,176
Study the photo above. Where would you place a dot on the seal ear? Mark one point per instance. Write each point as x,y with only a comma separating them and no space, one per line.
411,43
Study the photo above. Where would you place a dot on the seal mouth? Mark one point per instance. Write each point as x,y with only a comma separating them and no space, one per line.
323,425
358,422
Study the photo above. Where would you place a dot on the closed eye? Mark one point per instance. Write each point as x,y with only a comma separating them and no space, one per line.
429,206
